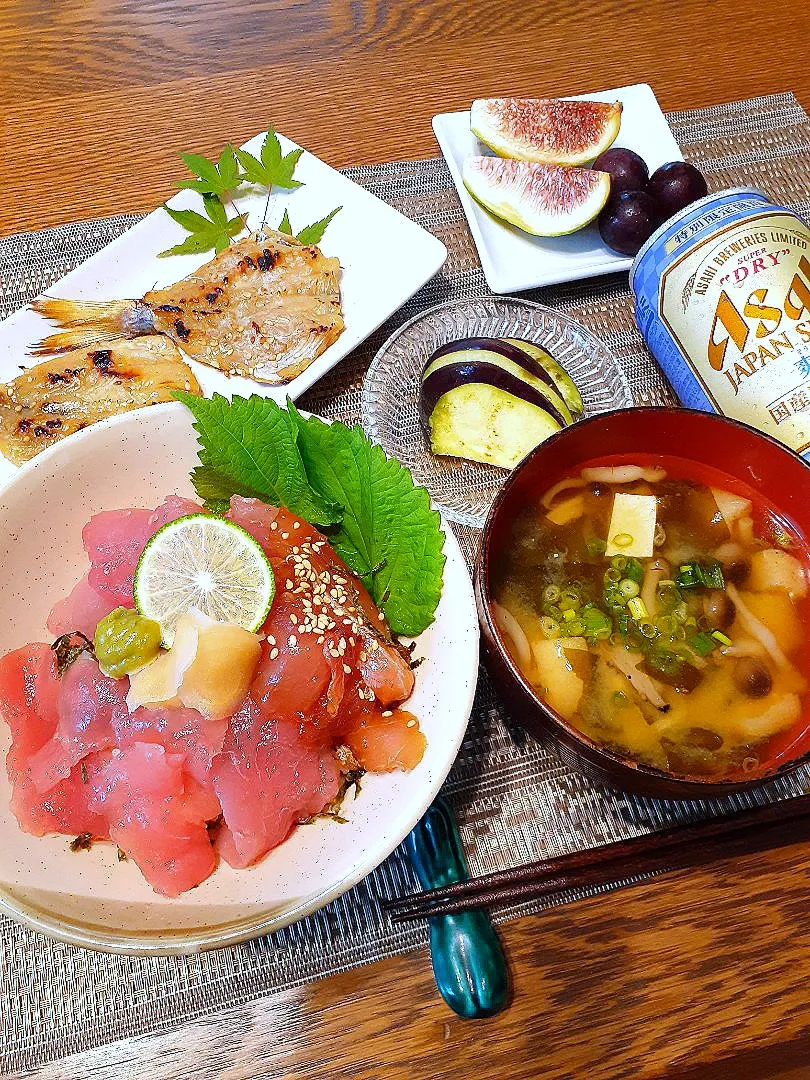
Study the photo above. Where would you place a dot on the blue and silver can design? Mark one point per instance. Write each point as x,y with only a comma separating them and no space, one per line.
722,295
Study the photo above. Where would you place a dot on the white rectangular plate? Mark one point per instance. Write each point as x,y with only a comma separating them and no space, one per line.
385,258
513,260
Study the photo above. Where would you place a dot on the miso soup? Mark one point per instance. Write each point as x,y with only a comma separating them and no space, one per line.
661,609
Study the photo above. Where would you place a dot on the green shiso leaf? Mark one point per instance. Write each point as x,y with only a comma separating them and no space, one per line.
330,475
248,447
389,535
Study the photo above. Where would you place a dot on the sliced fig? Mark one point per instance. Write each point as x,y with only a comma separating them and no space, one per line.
562,380
543,200
550,131
481,419
511,358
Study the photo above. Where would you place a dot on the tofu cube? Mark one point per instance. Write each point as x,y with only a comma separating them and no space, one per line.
632,526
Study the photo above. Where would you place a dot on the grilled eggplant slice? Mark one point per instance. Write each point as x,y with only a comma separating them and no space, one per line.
502,354
492,400
565,385
483,422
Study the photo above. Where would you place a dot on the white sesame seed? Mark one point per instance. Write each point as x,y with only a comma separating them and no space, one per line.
288,584
296,524
273,654
347,669
270,639
273,525
411,723
293,617
388,713
291,640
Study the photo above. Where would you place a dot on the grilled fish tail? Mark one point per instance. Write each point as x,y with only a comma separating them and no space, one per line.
91,321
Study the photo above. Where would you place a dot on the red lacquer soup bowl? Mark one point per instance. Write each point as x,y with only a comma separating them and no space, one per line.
709,442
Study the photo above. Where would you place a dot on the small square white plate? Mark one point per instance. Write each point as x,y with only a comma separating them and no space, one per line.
513,260
372,286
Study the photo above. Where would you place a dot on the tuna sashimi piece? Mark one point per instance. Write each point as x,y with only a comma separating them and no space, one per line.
90,704
267,782
115,539
29,704
67,808
144,795
178,731
82,610
345,623
383,743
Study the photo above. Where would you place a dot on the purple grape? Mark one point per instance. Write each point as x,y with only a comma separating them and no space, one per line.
627,170
674,186
628,220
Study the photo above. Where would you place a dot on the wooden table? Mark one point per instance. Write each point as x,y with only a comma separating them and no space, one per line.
703,976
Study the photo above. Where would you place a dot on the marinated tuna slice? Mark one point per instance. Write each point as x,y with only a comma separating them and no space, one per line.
62,395
333,609
90,705
178,731
29,705
115,539
289,784
82,610
383,743
145,795
265,307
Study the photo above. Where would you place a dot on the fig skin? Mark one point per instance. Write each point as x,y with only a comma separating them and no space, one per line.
627,171
674,186
628,220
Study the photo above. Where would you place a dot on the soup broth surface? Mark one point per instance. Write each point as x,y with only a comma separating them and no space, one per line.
669,628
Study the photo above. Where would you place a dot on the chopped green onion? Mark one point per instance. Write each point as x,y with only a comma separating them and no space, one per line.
702,643
718,635
693,575
648,629
568,614
550,627
637,608
628,589
613,576
623,540
634,570
618,699
622,623
596,623
551,594
567,604
594,546
618,562
688,576
574,629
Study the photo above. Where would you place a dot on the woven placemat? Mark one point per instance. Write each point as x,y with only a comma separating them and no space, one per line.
514,800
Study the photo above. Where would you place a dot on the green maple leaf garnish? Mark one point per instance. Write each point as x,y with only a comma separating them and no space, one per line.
218,178
285,225
310,234
214,231
271,169
313,234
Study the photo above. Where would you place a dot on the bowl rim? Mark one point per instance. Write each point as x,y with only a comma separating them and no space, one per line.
694,786
201,938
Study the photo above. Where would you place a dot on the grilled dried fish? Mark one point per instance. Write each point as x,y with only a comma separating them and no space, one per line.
67,393
264,307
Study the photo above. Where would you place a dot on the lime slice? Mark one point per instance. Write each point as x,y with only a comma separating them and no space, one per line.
208,563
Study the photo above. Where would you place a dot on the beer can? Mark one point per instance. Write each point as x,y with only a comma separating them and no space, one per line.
722,297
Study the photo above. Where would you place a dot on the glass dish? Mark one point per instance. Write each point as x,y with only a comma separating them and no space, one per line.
464,490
